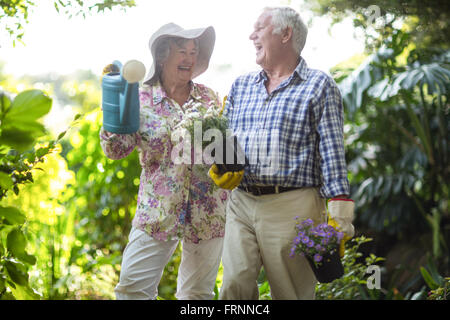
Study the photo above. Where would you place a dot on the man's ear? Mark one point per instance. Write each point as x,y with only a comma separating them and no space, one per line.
286,35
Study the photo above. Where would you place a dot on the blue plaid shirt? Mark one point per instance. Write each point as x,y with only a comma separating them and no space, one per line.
292,137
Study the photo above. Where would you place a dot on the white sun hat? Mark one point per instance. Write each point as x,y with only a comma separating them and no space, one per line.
206,39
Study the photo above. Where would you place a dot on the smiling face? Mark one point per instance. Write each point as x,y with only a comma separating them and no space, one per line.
267,44
180,63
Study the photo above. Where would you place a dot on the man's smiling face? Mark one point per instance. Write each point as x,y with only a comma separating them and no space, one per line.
266,43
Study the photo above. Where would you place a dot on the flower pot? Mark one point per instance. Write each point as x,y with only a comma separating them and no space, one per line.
233,163
330,268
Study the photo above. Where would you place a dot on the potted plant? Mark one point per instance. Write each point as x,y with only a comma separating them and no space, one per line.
319,244
200,119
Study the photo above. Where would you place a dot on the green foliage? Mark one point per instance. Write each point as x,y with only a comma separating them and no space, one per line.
19,128
352,285
84,225
70,7
108,189
76,211
19,118
397,131
14,13
426,21
441,292
263,286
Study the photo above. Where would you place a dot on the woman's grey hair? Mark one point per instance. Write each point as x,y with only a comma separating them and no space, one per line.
162,50
283,17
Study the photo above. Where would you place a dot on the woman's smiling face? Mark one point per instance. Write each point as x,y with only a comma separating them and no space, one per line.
179,65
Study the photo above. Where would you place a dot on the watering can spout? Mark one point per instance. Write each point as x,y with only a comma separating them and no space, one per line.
121,97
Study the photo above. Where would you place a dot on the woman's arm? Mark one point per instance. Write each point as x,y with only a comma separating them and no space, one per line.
117,146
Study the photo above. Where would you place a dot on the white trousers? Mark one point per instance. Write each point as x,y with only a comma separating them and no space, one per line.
145,258
259,232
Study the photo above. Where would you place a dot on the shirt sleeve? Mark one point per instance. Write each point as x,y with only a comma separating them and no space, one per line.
117,146
228,109
331,145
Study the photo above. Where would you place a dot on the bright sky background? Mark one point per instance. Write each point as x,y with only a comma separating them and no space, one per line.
53,43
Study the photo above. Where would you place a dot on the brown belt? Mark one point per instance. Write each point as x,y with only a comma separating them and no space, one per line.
262,190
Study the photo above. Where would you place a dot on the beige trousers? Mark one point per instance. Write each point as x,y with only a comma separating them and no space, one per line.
144,260
259,232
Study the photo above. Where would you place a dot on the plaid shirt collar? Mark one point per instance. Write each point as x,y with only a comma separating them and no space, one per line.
301,71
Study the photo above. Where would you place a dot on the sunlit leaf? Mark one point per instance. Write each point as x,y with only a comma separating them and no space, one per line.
13,215
16,273
6,181
17,139
29,105
16,242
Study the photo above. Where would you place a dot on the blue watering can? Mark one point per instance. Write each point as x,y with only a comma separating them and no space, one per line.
120,97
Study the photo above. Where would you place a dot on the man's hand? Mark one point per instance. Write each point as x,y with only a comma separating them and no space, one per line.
335,225
340,217
229,180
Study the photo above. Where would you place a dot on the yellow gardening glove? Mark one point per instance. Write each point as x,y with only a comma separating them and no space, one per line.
223,104
110,68
229,180
346,237
341,212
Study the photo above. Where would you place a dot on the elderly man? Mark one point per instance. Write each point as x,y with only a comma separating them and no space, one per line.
289,120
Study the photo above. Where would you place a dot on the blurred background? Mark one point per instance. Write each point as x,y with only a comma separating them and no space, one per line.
66,210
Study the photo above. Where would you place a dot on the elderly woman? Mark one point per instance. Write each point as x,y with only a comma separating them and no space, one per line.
175,201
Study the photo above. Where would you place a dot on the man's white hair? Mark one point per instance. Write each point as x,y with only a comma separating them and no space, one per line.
283,17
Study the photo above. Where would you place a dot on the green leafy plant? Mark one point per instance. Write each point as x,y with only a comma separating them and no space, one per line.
14,13
19,128
397,146
21,156
441,292
438,285
353,284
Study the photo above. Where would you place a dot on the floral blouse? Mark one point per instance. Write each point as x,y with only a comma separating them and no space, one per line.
175,201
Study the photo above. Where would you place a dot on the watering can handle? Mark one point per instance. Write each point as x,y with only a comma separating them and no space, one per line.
123,99
118,64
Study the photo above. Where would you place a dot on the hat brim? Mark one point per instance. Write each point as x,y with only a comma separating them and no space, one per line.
206,39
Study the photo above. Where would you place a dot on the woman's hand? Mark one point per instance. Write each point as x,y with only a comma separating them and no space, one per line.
229,180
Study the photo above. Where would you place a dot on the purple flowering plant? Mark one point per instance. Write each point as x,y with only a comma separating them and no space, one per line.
315,241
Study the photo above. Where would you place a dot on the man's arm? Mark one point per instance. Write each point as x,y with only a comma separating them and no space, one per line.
333,165
331,144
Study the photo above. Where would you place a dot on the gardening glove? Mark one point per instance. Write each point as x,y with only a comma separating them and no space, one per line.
110,68
340,217
223,104
229,180
335,225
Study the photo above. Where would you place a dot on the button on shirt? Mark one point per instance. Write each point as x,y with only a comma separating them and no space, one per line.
175,201
292,137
